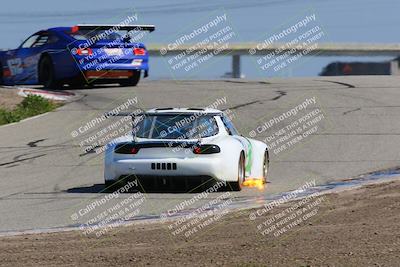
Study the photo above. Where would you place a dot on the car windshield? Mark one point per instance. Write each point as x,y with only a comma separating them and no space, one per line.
96,35
171,126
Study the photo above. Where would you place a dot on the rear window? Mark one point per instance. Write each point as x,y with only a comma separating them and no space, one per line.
86,35
182,126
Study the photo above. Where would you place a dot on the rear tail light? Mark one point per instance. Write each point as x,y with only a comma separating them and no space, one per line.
126,148
84,52
206,149
75,29
6,73
139,51
134,150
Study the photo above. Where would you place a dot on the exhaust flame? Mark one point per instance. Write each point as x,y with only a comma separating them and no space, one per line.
252,182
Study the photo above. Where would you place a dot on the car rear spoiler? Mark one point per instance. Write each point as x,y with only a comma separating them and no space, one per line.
162,144
92,27
124,114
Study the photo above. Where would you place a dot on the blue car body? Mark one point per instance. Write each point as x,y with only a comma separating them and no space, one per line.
83,53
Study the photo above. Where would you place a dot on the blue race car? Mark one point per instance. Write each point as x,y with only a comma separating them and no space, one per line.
77,56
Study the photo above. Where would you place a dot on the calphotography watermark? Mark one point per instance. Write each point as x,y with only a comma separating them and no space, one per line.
110,211
100,51
290,128
289,45
103,117
291,217
189,126
279,216
100,132
105,34
194,48
199,212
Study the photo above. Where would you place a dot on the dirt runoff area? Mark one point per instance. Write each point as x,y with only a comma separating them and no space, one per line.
9,98
352,228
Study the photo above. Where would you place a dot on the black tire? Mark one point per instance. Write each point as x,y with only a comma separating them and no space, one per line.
266,166
237,186
133,81
47,74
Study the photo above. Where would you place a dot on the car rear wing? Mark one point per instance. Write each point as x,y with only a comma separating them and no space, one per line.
92,27
124,114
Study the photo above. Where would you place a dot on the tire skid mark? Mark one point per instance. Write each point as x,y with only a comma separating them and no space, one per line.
34,143
245,104
350,111
246,82
281,94
18,159
348,85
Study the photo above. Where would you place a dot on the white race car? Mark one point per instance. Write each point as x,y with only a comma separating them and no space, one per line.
187,143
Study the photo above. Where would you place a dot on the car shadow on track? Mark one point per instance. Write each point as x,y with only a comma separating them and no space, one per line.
96,188
102,188
96,86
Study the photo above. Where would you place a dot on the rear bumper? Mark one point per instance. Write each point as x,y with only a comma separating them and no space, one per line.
108,74
168,167
69,67
131,64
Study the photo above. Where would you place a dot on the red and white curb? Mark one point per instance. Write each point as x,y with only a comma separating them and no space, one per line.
53,95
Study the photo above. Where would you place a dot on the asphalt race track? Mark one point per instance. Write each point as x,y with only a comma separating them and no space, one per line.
46,176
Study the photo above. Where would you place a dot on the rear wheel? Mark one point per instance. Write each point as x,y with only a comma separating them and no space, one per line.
133,81
237,186
47,74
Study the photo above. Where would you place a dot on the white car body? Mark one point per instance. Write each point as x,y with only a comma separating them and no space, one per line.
159,157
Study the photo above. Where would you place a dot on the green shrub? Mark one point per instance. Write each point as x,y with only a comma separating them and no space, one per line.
31,105
5,117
